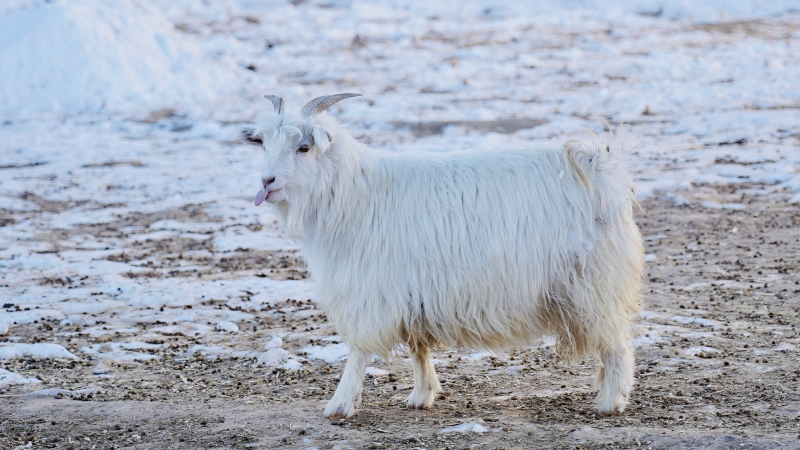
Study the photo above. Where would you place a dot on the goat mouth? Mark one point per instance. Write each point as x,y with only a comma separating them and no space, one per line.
265,195
271,194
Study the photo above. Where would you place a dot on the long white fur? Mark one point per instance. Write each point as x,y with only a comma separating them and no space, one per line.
481,249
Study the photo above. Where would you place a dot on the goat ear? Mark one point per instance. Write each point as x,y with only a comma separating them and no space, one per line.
322,138
248,136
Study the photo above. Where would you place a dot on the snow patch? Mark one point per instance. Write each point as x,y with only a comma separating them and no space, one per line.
374,371
10,378
328,353
698,320
230,327
275,342
473,427
37,350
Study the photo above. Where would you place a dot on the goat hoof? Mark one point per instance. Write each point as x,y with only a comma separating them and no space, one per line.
422,400
613,412
342,412
612,407
336,410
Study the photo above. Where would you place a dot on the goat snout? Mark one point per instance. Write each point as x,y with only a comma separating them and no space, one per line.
266,193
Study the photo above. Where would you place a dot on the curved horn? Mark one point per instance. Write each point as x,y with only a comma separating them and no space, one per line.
277,103
320,104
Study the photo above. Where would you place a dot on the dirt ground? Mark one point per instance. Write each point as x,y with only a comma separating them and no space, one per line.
716,362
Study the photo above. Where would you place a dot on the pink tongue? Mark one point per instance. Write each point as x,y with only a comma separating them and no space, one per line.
262,194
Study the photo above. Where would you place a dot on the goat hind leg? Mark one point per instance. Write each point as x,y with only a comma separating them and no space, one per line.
615,378
426,383
348,393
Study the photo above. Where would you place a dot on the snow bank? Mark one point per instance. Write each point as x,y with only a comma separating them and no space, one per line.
65,57
40,350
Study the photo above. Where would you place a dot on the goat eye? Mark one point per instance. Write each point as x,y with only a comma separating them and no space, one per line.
303,149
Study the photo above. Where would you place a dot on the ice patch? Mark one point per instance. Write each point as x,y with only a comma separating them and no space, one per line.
37,350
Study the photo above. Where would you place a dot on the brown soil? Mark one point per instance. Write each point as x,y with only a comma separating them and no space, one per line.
717,366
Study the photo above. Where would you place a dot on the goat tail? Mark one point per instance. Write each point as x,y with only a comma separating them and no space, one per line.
600,167
587,157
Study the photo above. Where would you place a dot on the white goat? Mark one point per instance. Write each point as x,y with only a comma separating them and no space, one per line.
482,249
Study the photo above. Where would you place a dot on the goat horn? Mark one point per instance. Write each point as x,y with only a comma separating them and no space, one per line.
320,104
277,103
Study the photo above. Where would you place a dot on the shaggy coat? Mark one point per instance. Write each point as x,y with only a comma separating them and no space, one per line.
481,249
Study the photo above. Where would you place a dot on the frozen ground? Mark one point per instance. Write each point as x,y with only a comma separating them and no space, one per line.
133,266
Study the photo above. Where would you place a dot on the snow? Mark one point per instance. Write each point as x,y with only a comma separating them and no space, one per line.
36,350
227,326
328,353
101,57
121,351
275,342
53,392
465,428
276,356
698,320
10,378
374,371
110,112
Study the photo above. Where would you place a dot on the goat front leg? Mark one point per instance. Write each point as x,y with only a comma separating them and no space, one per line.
426,384
348,393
